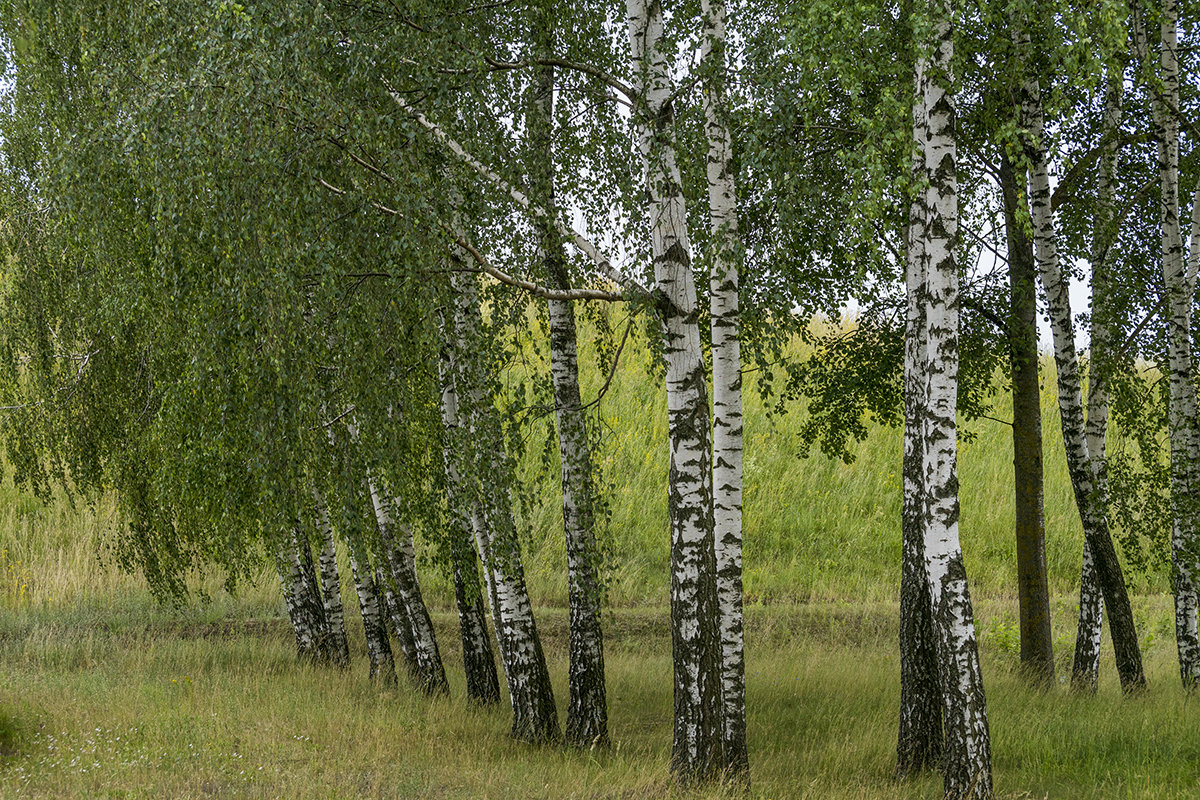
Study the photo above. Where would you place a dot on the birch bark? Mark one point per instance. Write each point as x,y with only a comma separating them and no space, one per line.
1033,592
967,762
919,744
337,646
727,386
587,708
379,649
535,717
698,730
1181,420
1070,404
302,599
401,625
483,685
1085,670
401,559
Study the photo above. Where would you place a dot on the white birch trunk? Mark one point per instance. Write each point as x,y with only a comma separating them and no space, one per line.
535,717
698,731
727,387
303,604
1070,403
919,743
1181,419
967,761
401,626
483,684
337,647
379,649
397,544
587,707
1086,668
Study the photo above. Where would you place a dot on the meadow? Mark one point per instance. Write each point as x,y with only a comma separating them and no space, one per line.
103,693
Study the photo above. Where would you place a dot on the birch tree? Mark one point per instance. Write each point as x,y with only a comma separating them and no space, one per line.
331,587
1182,422
483,686
1086,665
1070,402
302,597
919,744
397,543
967,764
696,648
535,717
1037,653
726,258
587,708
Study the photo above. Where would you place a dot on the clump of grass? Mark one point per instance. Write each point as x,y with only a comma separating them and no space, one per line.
12,731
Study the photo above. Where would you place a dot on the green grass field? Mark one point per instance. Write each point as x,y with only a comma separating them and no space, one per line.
104,694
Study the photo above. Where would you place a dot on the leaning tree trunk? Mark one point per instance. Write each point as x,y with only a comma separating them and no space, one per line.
379,649
535,717
1070,405
302,597
483,685
696,645
1085,670
919,744
967,759
397,544
1033,591
727,388
401,625
1181,420
587,708
336,645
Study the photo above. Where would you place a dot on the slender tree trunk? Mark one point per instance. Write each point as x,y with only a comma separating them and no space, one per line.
302,598
1086,668
727,387
535,717
401,625
336,645
587,709
697,752
402,565
379,649
1181,420
483,685
1070,405
1033,592
919,744
967,759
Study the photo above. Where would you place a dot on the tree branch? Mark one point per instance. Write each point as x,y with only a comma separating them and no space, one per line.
535,289
580,241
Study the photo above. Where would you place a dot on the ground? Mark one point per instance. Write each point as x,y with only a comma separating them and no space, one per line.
183,705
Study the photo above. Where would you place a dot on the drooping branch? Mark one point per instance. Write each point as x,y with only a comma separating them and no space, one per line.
585,245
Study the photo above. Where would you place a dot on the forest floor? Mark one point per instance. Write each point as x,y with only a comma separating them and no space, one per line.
121,704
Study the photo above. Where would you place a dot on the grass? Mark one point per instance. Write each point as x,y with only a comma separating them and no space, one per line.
105,694
176,709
